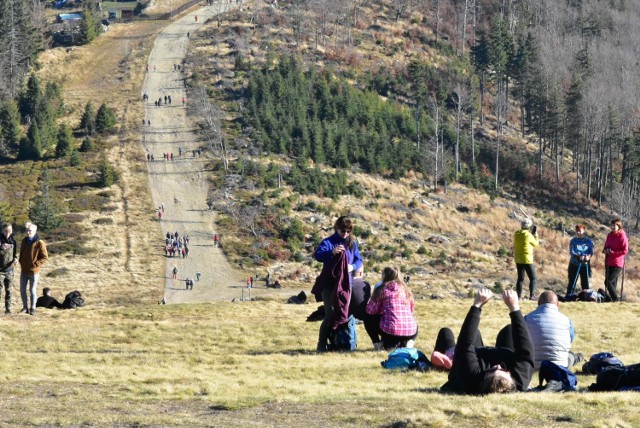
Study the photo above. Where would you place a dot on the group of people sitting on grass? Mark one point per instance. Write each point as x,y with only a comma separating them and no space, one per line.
387,314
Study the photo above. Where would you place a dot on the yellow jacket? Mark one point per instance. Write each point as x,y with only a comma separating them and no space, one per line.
523,244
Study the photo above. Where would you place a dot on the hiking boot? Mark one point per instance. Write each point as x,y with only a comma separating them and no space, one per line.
7,312
579,357
553,386
32,311
378,346
322,347
24,311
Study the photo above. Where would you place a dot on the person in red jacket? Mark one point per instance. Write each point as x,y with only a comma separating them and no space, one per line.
615,249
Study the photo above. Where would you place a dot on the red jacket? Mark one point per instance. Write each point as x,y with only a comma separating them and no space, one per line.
618,243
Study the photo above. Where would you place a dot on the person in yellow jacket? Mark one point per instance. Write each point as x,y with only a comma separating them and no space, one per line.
524,241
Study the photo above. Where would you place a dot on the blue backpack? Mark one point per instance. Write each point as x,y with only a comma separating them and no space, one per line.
601,361
344,337
407,359
551,371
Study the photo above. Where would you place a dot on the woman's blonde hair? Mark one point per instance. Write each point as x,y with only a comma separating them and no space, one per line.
392,274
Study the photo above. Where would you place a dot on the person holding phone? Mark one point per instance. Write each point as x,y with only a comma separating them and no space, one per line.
524,241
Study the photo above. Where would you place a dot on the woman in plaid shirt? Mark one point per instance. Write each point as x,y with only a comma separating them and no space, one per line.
394,301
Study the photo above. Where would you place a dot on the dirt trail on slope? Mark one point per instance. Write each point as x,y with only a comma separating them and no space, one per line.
180,185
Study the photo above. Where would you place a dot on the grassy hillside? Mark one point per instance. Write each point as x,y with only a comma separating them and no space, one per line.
449,240
253,364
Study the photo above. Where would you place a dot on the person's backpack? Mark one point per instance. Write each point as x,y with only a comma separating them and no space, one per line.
557,378
407,359
601,361
590,296
344,337
626,378
73,300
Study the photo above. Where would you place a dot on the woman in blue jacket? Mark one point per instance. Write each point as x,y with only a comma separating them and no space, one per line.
328,252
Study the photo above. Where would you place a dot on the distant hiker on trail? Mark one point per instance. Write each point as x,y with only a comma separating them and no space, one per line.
581,251
175,272
33,255
615,249
393,301
196,17
267,279
340,256
8,260
524,241
46,301
159,215
215,240
169,98
248,282
198,275
481,369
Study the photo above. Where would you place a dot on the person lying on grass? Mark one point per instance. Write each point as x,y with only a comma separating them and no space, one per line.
506,367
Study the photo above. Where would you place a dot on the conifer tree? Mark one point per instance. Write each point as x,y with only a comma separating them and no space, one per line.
10,130
88,120
46,211
105,119
65,141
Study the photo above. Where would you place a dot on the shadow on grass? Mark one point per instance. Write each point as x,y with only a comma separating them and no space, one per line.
295,352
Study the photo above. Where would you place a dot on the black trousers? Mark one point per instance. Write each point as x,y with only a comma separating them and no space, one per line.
447,340
611,281
585,273
531,273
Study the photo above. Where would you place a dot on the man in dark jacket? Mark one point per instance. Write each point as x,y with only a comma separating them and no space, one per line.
491,369
8,259
46,301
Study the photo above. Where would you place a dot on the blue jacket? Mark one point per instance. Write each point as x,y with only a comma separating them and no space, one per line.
580,247
551,333
323,252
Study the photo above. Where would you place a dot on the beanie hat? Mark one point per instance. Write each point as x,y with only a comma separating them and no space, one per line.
526,223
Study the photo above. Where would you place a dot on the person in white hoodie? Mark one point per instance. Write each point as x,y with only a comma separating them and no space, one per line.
551,333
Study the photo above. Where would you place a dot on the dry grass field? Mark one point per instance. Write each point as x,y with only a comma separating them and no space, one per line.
124,361
253,364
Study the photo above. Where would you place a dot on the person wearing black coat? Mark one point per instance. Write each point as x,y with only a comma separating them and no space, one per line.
483,370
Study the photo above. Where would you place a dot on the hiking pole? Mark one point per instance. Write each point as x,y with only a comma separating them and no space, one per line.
622,286
575,279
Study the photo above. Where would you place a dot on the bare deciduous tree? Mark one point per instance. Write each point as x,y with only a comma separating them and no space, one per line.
211,117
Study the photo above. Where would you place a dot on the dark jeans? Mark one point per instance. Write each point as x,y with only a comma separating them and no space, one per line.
611,281
446,340
531,273
325,327
390,341
585,273
6,283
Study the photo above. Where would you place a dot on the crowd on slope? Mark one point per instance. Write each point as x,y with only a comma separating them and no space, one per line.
541,337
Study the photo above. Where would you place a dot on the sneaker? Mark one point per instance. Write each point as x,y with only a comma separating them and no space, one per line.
24,311
579,357
378,346
32,311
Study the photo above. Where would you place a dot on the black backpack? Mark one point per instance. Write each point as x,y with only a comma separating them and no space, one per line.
618,378
73,300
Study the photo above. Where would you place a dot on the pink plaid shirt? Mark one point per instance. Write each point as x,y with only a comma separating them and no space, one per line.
396,310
